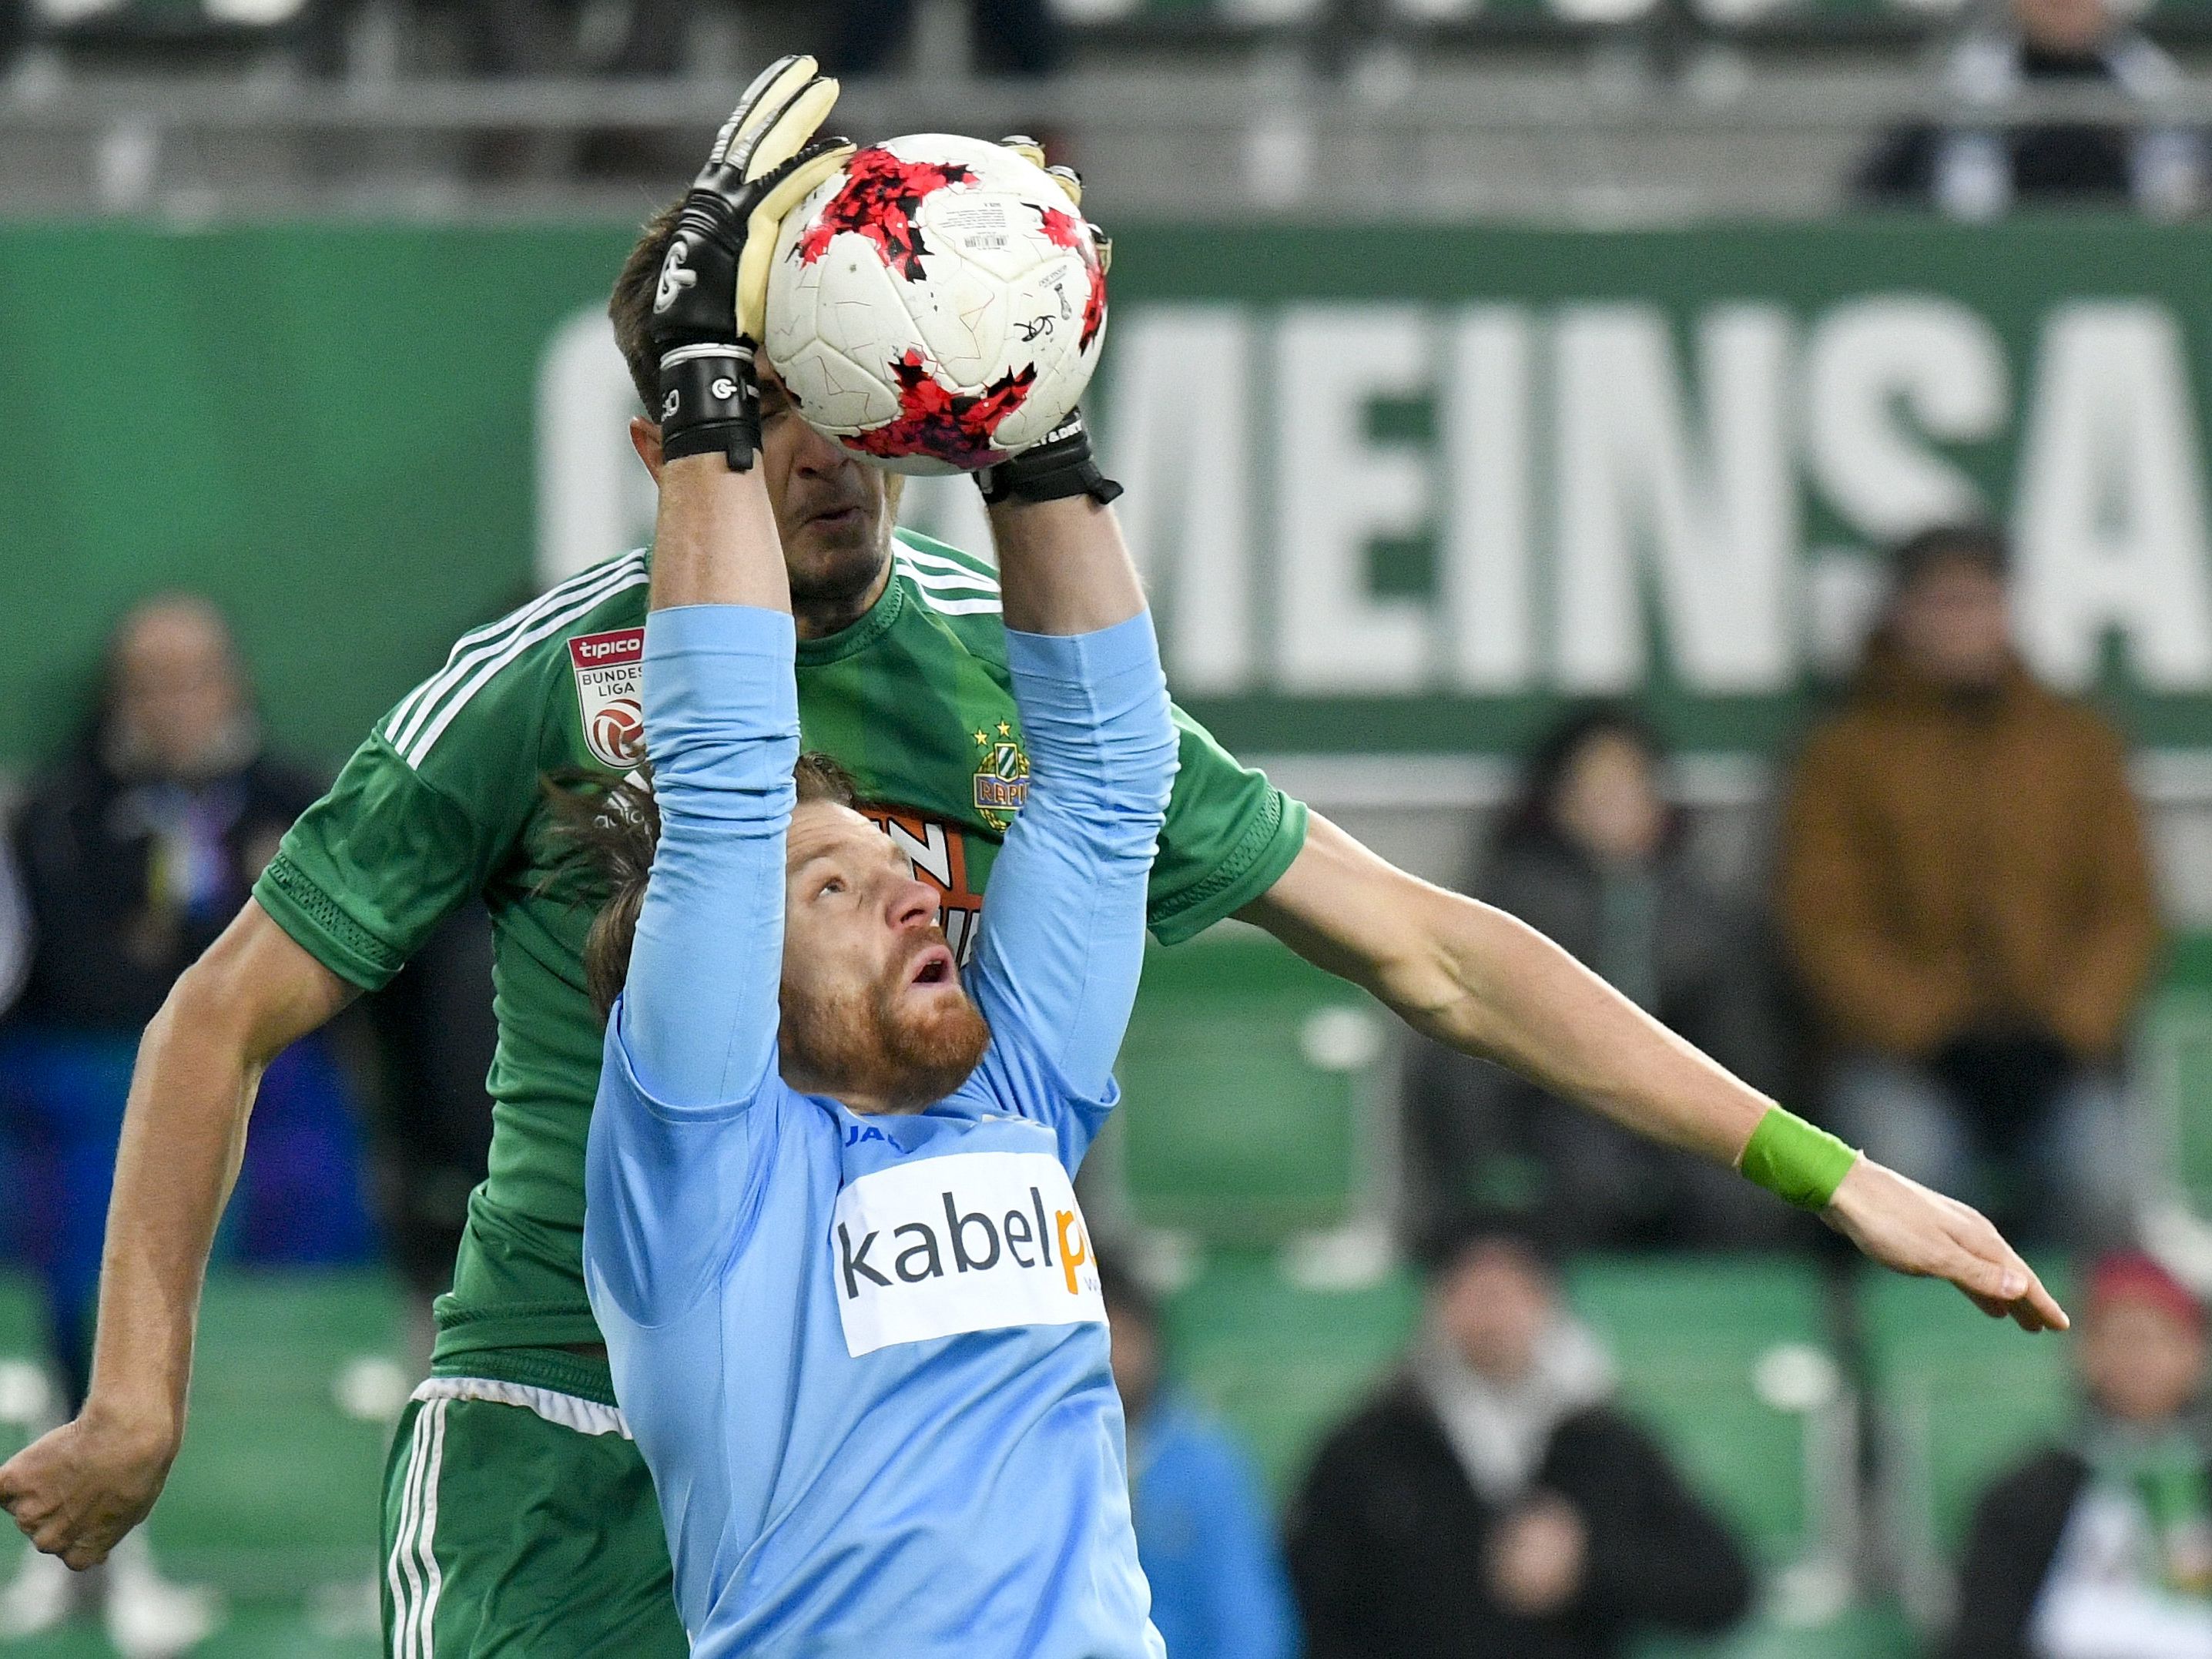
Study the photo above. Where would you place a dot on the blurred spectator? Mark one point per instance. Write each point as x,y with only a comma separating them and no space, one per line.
1007,37
1967,899
1491,1503
1204,1536
131,856
1978,172
128,859
2101,1548
1592,855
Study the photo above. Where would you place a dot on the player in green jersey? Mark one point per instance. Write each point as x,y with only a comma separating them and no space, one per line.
519,1518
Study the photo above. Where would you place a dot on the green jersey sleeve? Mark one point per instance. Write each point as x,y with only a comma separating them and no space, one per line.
1229,837
369,870
422,815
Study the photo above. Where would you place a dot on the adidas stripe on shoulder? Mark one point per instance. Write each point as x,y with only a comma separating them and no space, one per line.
952,583
422,715
945,555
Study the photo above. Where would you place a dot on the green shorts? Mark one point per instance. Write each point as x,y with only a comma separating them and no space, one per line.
520,1522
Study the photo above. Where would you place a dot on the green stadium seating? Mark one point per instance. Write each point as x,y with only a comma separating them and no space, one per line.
1696,1340
22,1325
22,1345
1876,1632
1252,1089
1958,1397
28,1402
1729,1360
278,1487
2173,1077
1711,1351
250,1633
1281,1362
274,1498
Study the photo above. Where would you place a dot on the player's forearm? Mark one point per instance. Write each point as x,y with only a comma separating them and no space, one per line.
714,538
184,1132
1095,715
1520,999
254,993
1064,939
721,722
1473,977
1063,568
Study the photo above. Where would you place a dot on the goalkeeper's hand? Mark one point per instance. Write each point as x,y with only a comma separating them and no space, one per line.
1070,181
1059,463
709,306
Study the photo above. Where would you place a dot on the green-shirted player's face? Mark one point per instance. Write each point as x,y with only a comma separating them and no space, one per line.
873,1011
833,512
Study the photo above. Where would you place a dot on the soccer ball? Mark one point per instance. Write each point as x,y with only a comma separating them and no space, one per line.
937,305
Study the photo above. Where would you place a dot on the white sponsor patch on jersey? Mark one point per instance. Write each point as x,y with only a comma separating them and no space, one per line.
610,686
971,1242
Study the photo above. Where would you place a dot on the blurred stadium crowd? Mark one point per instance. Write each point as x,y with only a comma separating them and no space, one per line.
633,38
1359,105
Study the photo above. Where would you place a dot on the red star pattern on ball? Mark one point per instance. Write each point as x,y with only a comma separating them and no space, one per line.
1066,230
879,200
952,426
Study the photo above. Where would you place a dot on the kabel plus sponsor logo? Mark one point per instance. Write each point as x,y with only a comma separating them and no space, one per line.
972,1241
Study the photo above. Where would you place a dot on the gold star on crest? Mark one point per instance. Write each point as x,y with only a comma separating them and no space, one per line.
983,740
1005,730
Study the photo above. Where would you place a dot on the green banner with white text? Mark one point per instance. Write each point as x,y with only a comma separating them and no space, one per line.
1395,489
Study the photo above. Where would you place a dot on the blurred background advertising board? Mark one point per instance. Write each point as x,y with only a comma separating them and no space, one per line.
1397,490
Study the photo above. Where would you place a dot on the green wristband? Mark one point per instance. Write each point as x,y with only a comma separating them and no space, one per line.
1799,1164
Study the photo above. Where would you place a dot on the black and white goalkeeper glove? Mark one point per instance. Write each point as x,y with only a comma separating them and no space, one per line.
708,307
1059,463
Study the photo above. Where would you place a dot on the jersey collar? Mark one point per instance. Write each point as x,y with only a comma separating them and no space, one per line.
857,637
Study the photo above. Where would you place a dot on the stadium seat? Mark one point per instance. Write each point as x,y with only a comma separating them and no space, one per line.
1281,1362
22,1345
2174,1078
1957,1397
1253,1099
29,1401
249,1633
1874,1631
297,1378
1729,1360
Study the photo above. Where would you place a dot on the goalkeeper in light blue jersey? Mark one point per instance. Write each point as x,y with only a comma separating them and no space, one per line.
831,1231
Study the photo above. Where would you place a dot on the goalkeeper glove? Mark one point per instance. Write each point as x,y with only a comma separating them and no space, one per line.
1059,463
709,306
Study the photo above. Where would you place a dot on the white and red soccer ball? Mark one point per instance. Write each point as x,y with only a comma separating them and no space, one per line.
937,305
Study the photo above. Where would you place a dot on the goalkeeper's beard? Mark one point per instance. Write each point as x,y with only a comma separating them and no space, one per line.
875,1043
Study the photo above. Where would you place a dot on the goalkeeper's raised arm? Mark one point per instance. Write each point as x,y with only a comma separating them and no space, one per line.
808,1135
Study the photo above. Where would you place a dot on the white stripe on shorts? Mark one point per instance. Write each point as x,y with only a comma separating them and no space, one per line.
584,1416
399,1570
426,1536
412,1571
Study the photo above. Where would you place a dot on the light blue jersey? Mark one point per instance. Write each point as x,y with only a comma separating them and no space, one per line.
866,1357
